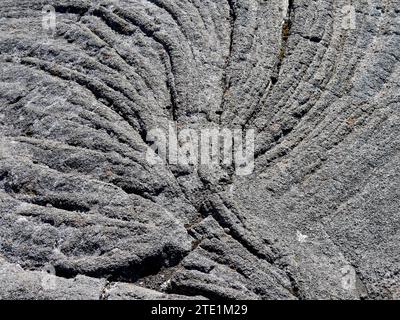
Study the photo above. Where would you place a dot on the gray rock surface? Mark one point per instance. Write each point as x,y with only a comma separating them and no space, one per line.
84,215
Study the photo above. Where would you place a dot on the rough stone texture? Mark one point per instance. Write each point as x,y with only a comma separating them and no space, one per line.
16,283
319,212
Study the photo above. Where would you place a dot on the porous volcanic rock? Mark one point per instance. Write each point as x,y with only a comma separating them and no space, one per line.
85,215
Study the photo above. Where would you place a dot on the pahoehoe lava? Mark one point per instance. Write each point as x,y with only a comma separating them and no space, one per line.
317,219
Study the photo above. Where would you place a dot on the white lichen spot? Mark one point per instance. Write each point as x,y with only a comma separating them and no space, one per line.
302,238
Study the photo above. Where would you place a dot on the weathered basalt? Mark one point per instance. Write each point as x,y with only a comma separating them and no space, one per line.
317,219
